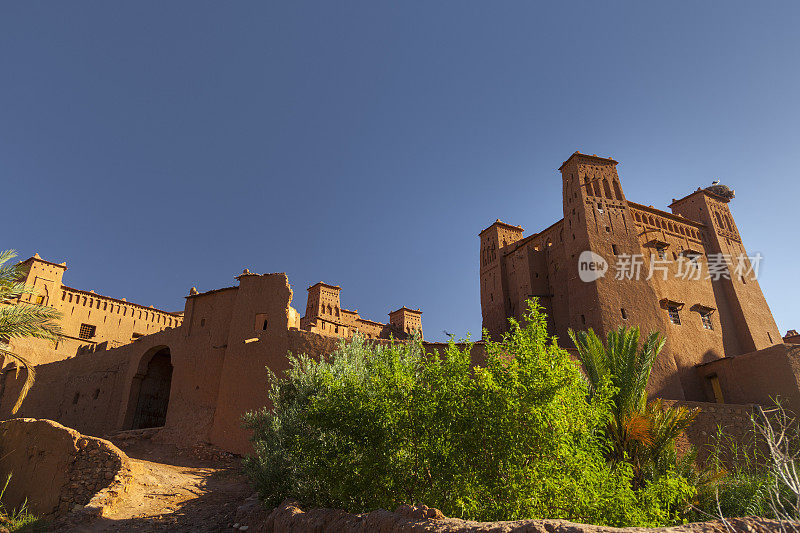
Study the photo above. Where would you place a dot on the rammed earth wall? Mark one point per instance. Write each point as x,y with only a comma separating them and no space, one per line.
57,469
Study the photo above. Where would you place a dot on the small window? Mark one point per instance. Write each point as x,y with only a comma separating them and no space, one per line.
87,331
96,394
661,251
674,314
39,300
583,320
260,322
76,398
202,322
614,249
623,313
706,318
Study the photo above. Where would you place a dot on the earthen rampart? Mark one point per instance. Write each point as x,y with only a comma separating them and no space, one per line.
57,470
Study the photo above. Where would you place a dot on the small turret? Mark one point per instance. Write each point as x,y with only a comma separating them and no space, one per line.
407,321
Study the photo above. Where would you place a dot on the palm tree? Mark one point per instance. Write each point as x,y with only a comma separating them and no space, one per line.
21,320
641,434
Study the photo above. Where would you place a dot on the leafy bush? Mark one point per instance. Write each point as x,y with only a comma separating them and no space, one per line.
376,426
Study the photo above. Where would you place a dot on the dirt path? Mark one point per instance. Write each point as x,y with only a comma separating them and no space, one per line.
175,492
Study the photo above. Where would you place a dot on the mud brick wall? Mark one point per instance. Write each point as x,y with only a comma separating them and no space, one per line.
732,421
56,468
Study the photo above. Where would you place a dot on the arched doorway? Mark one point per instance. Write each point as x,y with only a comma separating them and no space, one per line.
153,391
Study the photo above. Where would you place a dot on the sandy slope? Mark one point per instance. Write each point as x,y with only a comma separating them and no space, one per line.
172,491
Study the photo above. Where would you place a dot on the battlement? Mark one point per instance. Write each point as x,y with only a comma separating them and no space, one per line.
35,258
325,315
89,319
593,158
405,320
500,223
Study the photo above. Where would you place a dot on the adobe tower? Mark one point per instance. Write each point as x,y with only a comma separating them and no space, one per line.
658,276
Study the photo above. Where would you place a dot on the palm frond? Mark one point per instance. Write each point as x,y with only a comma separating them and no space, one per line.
30,376
668,423
639,428
22,320
11,276
592,355
641,434
25,320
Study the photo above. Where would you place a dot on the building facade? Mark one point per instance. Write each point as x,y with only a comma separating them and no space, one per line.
661,274
90,321
325,315
194,380
193,374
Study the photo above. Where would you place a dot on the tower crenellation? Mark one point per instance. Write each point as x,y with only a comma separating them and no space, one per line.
324,315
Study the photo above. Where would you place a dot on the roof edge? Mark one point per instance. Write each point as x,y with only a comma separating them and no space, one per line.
593,156
499,222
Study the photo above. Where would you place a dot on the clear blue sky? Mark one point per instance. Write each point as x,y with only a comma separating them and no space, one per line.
157,146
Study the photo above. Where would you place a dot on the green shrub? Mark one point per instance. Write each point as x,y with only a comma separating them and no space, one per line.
376,426
738,480
20,519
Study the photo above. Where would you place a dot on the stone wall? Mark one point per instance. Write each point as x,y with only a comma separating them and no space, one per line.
736,429
57,469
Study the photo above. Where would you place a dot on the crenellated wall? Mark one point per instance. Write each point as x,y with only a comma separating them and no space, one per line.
195,381
89,319
324,315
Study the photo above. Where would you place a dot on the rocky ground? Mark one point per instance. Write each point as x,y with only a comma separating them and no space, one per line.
289,517
203,490
173,490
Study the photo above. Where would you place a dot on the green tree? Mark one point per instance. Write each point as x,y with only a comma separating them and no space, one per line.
374,426
21,320
641,434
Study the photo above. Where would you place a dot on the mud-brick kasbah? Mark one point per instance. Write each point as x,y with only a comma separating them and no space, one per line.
122,366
